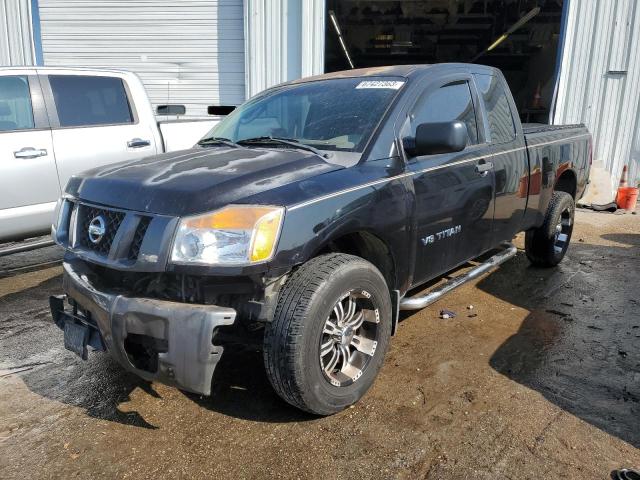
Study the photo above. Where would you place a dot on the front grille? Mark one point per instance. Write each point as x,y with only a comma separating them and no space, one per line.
112,220
134,250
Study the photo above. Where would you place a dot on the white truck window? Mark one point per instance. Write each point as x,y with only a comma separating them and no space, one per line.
85,101
15,104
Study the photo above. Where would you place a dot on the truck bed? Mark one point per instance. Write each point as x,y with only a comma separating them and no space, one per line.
559,159
528,128
184,133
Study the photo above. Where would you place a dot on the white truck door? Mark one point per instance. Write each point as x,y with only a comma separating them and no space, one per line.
29,186
94,121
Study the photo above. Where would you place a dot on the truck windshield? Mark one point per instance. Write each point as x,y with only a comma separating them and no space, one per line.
335,114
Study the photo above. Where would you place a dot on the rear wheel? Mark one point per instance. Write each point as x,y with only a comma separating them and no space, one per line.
547,245
329,335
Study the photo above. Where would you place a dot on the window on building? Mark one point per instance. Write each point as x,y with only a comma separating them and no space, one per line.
84,101
498,110
15,104
447,104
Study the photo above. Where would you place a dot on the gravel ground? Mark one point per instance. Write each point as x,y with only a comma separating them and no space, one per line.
543,383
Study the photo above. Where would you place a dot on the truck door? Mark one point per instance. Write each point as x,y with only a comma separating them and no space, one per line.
28,178
94,122
510,160
454,192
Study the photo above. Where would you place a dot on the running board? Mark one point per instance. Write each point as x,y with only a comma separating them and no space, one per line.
421,301
25,247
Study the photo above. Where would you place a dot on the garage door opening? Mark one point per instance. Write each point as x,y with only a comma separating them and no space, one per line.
520,37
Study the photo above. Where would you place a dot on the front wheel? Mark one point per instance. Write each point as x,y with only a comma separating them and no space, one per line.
546,246
329,335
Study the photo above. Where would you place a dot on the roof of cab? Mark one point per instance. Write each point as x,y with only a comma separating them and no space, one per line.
389,71
397,71
68,69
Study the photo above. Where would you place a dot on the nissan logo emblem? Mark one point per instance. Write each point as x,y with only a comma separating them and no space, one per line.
97,229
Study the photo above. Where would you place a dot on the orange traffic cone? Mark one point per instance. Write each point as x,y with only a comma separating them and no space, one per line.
623,178
626,197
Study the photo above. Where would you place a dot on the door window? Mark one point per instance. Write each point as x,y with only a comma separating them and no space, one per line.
15,104
446,104
84,101
498,110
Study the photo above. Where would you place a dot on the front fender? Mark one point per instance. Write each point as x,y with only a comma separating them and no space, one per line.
381,210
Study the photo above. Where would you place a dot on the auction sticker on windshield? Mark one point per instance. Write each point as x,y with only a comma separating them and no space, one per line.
392,84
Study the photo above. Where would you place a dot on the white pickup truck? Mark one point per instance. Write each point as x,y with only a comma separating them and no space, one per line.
55,122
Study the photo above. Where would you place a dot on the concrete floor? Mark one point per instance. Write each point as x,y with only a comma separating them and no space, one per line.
543,383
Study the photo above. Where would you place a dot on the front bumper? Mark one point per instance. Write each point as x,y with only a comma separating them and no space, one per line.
175,339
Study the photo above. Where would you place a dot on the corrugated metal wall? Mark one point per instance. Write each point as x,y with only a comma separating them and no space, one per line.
284,41
16,38
600,80
188,52
313,31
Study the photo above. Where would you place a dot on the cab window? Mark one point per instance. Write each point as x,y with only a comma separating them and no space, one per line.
86,101
496,103
448,103
15,104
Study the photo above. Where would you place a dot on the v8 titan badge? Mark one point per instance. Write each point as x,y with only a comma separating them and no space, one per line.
446,233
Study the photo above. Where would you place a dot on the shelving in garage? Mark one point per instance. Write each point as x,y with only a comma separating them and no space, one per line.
383,32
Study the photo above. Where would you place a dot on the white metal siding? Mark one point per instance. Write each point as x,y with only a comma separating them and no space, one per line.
600,80
284,41
313,31
188,52
16,38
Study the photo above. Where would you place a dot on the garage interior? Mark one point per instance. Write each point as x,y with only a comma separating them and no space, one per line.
520,37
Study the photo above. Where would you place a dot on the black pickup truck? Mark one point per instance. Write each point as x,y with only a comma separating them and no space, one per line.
303,220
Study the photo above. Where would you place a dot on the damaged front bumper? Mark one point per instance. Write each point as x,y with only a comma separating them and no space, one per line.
159,340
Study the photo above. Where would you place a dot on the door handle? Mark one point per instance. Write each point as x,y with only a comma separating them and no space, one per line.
138,143
30,152
483,167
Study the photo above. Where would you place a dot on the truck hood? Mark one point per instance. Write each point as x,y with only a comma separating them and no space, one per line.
197,180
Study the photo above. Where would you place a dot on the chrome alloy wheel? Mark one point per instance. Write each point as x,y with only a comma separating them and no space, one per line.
349,338
563,230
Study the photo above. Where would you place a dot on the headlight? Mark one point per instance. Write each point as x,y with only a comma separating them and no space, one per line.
234,235
57,213
61,214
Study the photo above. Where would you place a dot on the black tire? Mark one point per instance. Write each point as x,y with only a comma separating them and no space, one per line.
547,245
292,341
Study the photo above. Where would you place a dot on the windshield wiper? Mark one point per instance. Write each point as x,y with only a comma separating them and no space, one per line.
292,142
218,141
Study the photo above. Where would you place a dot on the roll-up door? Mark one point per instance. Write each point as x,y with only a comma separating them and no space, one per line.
189,52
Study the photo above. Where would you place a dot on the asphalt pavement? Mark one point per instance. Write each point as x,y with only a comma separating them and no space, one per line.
539,379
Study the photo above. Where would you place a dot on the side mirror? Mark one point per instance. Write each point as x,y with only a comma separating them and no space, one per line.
220,110
434,138
171,110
